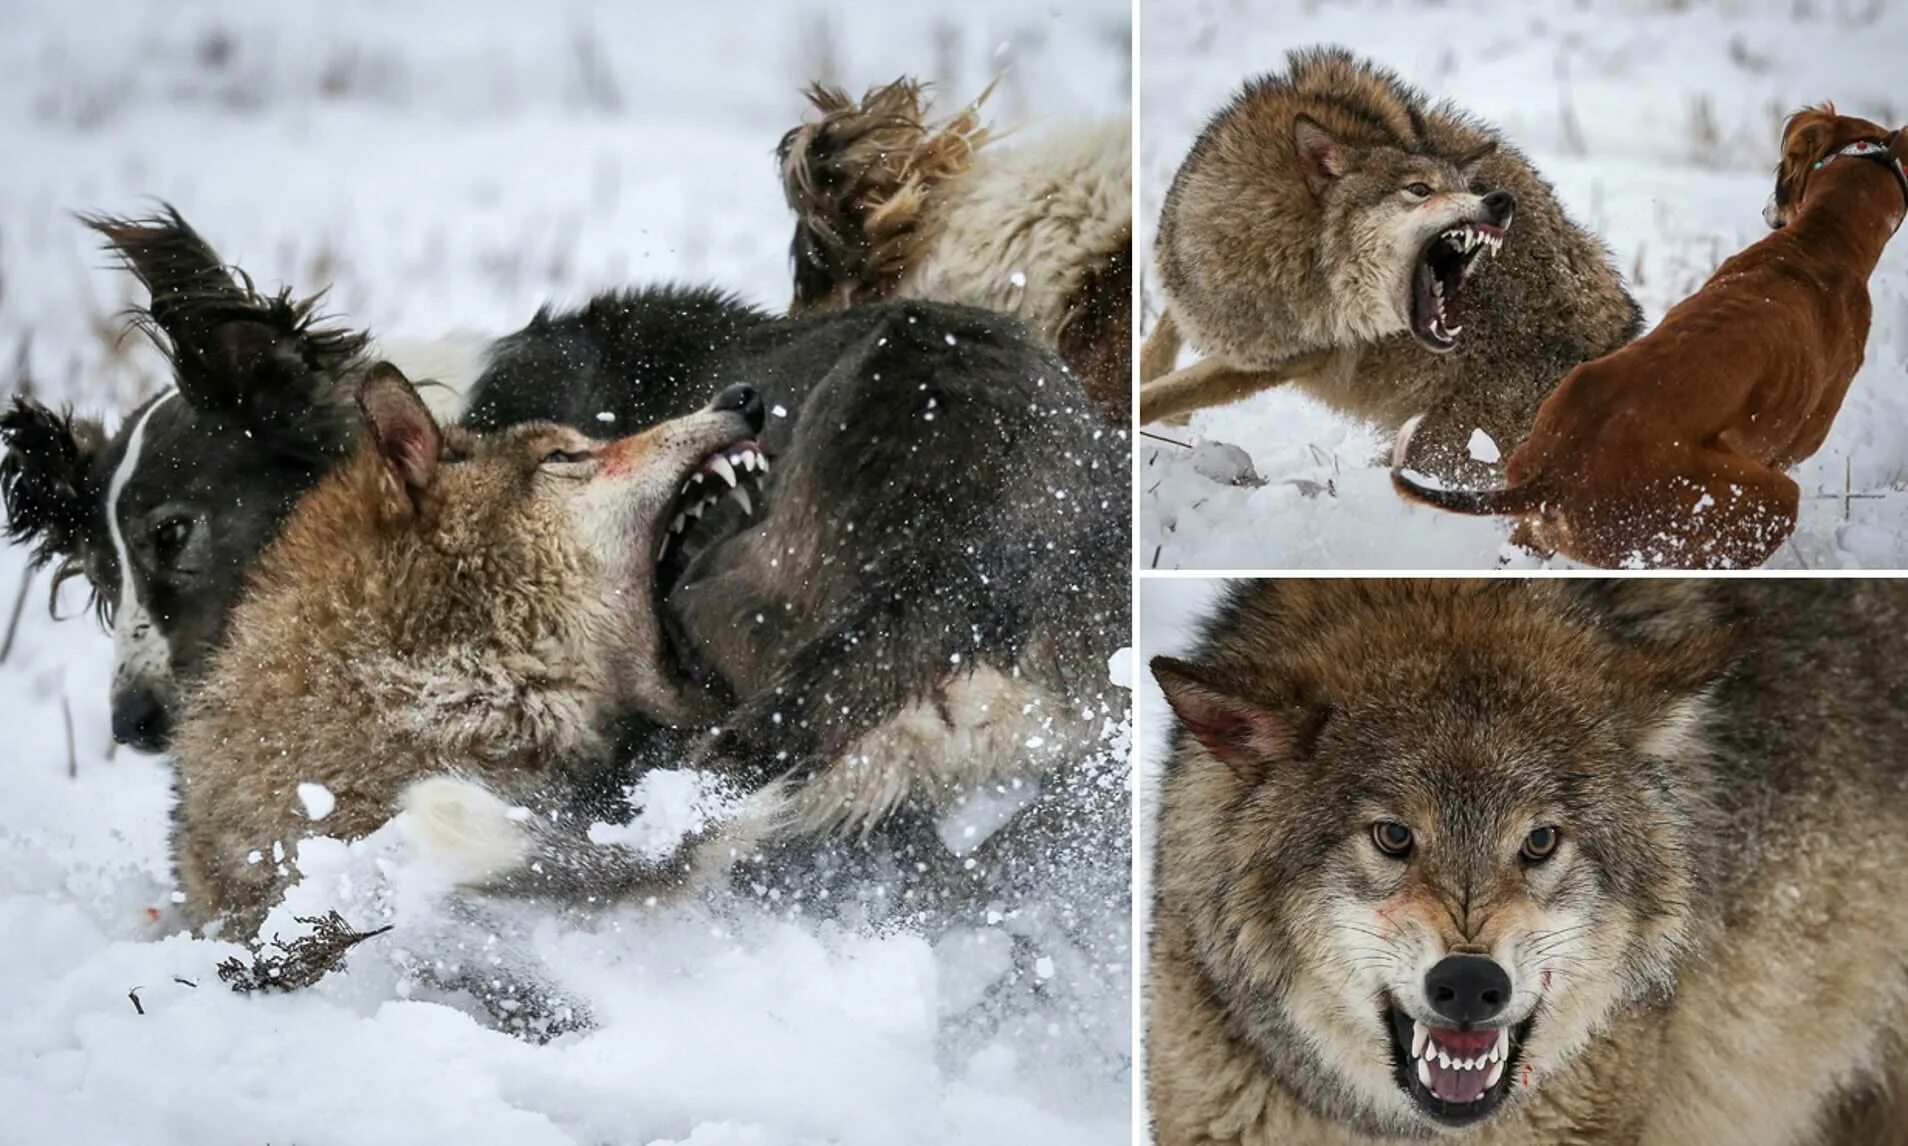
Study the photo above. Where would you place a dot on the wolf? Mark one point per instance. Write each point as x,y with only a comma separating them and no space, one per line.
889,204
1620,471
1326,230
1527,861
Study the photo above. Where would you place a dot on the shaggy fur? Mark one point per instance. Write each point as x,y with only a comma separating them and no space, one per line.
891,205
443,602
1670,451
1716,758
1288,242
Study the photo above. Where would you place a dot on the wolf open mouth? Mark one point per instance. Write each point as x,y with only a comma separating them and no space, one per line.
717,498
1456,1076
1437,282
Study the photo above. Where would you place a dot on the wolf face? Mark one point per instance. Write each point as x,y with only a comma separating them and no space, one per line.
1809,139
164,517
1428,836
1400,233
542,505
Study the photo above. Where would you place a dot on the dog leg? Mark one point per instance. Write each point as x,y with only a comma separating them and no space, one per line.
1212,382
1745,513
1161,349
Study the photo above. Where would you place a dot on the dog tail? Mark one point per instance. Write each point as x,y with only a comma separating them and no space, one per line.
1477,503
482,842
860,180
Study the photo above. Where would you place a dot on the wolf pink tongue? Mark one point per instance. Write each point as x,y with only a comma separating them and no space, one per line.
1456,1085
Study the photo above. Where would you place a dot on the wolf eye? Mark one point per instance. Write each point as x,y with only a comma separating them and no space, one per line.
1393,839
564,457
1540,845
1418,190
169,539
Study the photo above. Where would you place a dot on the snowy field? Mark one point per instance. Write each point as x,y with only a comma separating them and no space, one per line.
450,170
1659,123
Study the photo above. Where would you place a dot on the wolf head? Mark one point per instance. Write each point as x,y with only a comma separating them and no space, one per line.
1399,230
164,517
1427,837
539,538
1809,139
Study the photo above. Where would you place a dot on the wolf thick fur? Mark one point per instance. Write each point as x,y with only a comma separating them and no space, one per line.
1277,271
891,205
1709,951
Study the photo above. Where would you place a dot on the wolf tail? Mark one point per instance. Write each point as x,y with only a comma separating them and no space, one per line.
483,842
860,179
1522,498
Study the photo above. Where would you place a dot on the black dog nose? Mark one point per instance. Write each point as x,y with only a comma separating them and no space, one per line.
140,720
1500,204
1467,988
744,398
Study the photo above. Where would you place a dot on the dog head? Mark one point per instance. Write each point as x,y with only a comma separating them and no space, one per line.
545,540
1400,231
1429,831
164,517
1810,139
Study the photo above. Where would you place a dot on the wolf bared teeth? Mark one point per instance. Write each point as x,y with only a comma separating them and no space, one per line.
741,497
1419,1034
1424,1073
1497,1073
723,469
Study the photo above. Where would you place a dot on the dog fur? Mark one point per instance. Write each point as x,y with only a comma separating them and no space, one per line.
889,204
1671,451
1716,757
1287,245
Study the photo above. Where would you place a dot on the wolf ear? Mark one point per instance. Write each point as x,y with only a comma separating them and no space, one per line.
1467,164
1244,734
1320,157
402,431
41,477
266,360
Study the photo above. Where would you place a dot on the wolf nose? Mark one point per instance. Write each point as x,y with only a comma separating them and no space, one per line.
140,720
743,398
1500,204
1467,988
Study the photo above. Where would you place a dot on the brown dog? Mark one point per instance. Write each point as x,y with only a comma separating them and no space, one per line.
1670,451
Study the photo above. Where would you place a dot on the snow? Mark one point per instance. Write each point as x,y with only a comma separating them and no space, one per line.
451,175
1658,123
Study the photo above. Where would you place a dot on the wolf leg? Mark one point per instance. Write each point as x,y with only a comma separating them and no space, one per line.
1161,349
1212,382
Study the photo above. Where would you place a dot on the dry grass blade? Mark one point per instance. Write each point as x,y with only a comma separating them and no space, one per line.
299,963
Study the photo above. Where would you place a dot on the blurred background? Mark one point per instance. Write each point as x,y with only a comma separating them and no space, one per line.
1659,123
455,168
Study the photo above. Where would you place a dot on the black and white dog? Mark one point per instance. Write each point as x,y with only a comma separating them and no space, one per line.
969,506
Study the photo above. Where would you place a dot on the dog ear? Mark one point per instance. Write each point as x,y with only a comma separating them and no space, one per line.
42,478
402,431
1244,734
1320,157
269,361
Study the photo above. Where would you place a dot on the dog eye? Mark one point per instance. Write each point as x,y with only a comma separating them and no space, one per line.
1393,839
1418,190
565,457
169,539
1540,845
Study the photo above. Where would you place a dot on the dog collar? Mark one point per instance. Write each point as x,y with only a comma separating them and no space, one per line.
1874,151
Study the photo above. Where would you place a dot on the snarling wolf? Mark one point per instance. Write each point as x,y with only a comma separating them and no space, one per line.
890,204
443,601
1624,470
1329,228
1534,862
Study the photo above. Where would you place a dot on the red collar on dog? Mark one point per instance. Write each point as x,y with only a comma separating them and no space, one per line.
1875,151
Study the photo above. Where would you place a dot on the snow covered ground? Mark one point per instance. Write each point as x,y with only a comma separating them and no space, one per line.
452,169
1657,120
